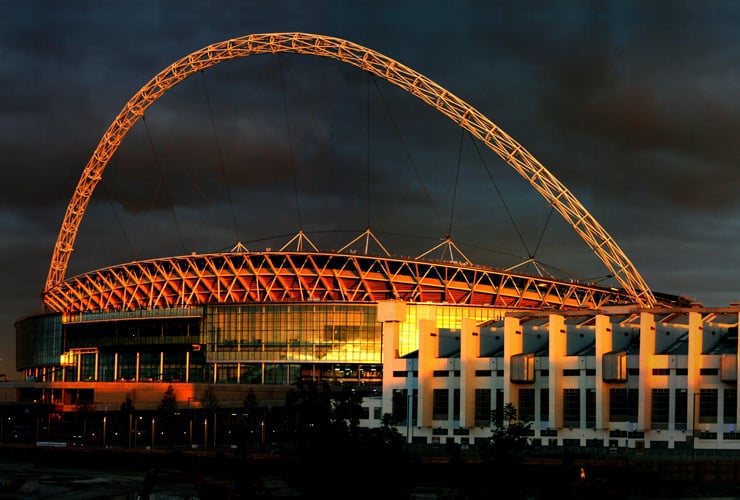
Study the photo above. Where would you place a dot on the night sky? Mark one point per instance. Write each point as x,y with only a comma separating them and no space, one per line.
634,106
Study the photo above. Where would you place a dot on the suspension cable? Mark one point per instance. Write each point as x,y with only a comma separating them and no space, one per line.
457,180
161,169
544,228
290,143
501,196
408,154
219,154
367,112
109,195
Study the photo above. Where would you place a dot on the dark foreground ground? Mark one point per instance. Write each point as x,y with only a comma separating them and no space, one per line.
31,472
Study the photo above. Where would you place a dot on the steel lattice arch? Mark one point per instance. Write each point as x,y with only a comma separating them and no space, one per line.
429,92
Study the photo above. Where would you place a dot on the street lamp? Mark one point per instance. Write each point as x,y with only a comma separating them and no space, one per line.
130,425
190,424
205,433
693,420
409,417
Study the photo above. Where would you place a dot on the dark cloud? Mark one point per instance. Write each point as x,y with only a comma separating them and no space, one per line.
633,105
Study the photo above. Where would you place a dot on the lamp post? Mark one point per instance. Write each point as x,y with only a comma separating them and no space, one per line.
213,431
409,417
205,433
136,430
190,424
693,421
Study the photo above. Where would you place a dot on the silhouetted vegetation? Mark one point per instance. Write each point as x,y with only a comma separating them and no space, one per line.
317,418
510,438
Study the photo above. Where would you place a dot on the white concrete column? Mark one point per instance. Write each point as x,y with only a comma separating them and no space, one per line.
391,314
604,344
646,362
513,345
557,349
469,352
428,353
694,368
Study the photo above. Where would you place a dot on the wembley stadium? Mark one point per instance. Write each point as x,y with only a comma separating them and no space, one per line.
437,343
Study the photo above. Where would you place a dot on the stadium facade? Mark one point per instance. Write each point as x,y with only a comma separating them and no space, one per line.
434,351
437,344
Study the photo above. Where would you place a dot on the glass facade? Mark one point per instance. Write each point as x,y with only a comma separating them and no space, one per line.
293,333
229,344
38,341
445,317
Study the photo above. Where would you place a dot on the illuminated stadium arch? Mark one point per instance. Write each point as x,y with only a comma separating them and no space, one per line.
465,115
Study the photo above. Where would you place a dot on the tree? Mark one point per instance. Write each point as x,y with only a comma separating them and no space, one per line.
510,438
166,419
209,400
126,421
127,407
250,401
169,401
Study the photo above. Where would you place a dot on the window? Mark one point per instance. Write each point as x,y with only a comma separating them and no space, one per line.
456,404
572,407
660,408
440,404
499,407
623,405
680,416
708,399
399,409
729,414
544,405
87,366
483,407
526,405
591,408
